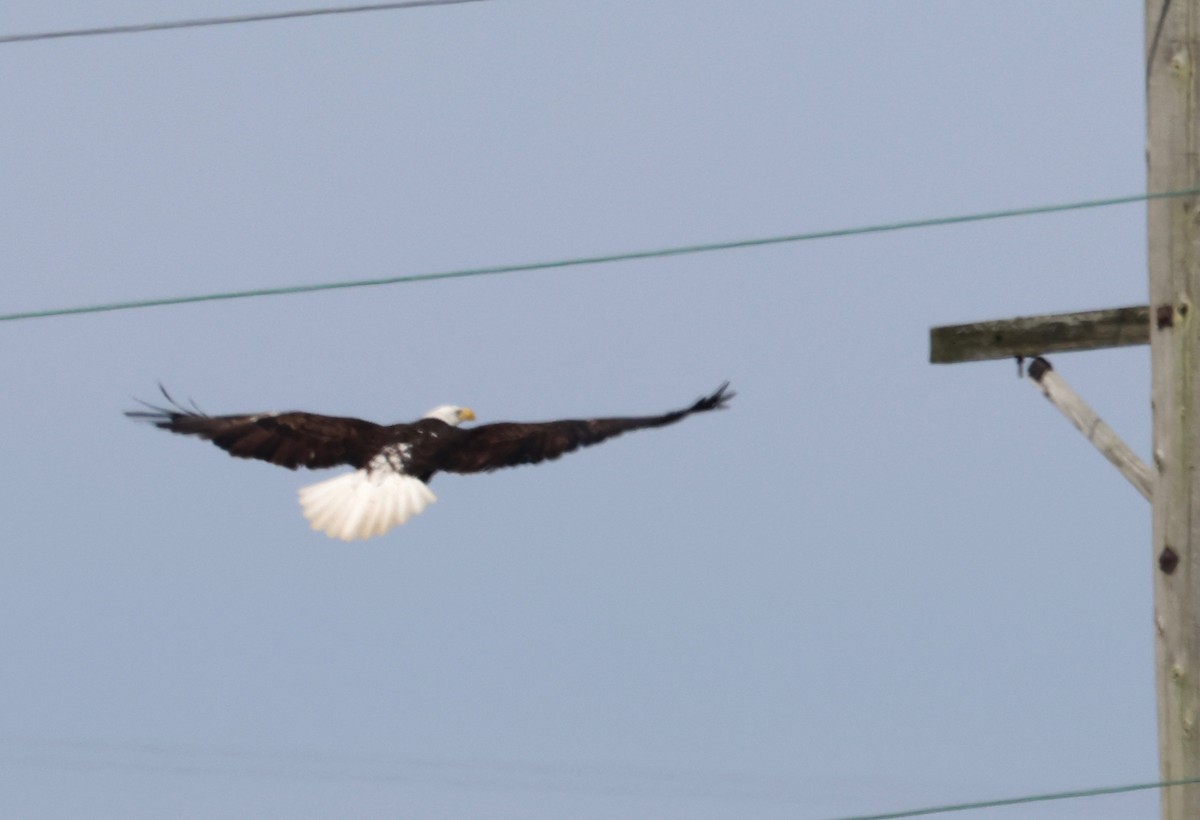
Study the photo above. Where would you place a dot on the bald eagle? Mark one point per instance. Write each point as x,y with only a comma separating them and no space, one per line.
394,463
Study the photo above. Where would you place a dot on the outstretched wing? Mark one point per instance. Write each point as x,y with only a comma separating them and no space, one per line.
492,446
288,439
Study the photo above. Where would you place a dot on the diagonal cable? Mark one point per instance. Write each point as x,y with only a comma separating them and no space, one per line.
681,250
1033,798
138,28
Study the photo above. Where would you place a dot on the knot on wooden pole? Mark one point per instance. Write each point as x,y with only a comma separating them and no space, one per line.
1168,560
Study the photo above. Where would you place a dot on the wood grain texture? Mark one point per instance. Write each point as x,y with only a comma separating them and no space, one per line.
1173,163
1039,335
1094,429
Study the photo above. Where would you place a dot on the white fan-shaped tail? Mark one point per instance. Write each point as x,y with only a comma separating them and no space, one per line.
363,503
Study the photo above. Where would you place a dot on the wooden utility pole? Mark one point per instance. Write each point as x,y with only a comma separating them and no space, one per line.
1173,164
1171,325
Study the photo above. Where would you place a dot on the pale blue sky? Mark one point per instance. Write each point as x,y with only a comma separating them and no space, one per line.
873,584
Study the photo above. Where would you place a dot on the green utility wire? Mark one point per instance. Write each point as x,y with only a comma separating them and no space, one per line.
1016,801
595,260
138,28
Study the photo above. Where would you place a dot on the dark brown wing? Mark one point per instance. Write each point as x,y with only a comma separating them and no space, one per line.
492,446
288,439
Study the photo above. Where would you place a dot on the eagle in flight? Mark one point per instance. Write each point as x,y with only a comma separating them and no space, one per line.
394,462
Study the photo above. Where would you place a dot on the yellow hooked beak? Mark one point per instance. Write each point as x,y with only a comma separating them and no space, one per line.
466,414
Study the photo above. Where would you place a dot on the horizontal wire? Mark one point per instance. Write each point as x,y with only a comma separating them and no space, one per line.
1033,798
595,260
138,28
184,759
181,758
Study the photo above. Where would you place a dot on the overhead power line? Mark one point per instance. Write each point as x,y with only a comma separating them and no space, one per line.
681,250
138,28
1033,798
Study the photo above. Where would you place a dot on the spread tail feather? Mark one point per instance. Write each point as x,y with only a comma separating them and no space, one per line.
363,503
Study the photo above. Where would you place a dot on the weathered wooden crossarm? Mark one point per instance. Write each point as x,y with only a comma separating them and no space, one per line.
1102,437
1036,335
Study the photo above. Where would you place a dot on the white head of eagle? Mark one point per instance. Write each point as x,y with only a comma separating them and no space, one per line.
394,463
451,414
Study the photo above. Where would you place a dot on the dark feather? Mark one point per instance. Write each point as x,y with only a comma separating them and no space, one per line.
299,439
290,440
508,444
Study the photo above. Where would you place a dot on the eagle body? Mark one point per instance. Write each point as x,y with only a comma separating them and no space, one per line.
393,464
